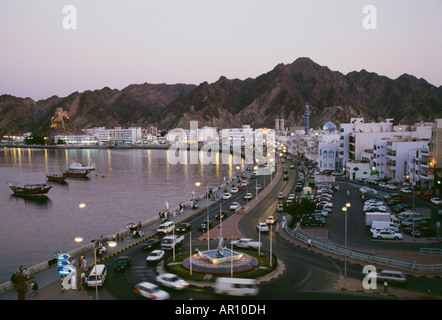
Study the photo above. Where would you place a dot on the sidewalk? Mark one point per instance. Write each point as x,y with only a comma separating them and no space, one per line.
49,280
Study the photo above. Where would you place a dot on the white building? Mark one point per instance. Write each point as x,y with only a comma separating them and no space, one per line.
119,135
328,157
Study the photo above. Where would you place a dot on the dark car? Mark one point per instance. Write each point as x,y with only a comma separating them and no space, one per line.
183,227
312,221
151,244
203,225
286,177
423,232
401,207
221,215
122,263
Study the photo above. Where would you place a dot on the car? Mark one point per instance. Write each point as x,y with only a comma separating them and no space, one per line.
406,190
221,215
248,196
292,167
234,190
234,206
155,256
391,187
414,221
183,227
387,234
227,195
246,243
263,227
400,207
271,220
258,187
280,207
338,173
423,232
320,213
312,221
122,263
436,201
389,276
286,177
425,195
203,225
150,291
151,243
281,195
172,281
244,183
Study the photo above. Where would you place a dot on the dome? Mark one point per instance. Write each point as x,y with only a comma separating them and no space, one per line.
329,126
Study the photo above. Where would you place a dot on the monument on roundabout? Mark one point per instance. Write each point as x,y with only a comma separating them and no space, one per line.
221,260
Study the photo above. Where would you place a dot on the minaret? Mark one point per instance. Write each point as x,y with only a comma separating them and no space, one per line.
307,115
276,124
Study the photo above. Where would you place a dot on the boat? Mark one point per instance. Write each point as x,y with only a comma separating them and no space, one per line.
56,177
79,166
77,173
31,190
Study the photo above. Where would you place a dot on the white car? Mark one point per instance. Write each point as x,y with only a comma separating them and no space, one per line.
263,227
406,190
234,206
271,220
258,187
281,195
280,207
248,195
245,183
389,275
151,291
387,234
234,190
437,201
246,243
227,195
391,187
172,281
155,256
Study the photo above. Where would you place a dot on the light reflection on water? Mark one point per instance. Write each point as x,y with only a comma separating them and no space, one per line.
127,185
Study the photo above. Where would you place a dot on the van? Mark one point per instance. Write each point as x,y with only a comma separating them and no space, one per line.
236,287
97,276
385,225
166,227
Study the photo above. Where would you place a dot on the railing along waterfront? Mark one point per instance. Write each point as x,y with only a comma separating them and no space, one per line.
398,263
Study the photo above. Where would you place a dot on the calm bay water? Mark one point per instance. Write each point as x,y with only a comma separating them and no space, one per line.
127,185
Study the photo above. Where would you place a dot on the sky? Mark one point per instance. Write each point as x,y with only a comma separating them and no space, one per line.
118,43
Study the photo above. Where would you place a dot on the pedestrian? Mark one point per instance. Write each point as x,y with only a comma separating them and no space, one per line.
385,286
309,242
122,236
83,263
34,287
118,237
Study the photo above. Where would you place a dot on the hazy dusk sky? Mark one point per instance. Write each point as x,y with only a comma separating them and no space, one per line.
118,43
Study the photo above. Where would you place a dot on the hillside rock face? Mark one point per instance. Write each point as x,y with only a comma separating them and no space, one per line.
281,92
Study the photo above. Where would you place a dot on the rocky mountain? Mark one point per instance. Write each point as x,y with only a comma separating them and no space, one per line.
281,92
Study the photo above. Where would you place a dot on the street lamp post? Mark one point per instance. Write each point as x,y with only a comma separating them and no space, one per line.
345,210
207,206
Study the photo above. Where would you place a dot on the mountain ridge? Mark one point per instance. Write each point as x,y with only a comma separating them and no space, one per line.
280,92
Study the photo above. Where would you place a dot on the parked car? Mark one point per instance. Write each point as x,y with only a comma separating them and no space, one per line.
122,263
263,227
183,227
436,201
423,232
387,234
227,195
172,281
234,205
414,221
151,291
400,207
151,244
155,256
425,195
406,190
312,221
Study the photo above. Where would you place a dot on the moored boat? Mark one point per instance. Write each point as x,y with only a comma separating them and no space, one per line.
56,177
77,173
79,166
31,190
